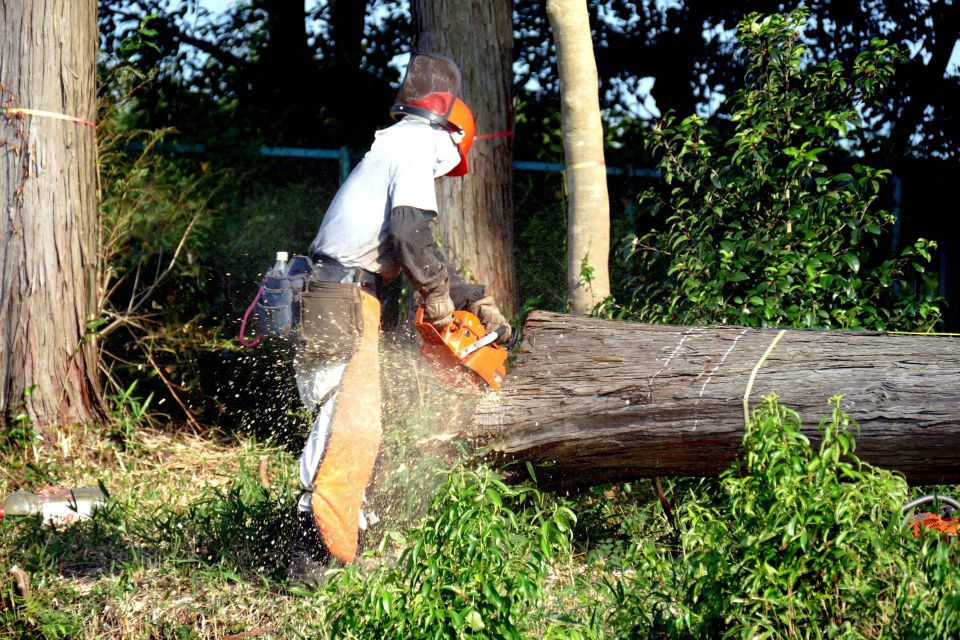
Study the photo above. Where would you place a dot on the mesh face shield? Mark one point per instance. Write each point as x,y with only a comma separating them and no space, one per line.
429,88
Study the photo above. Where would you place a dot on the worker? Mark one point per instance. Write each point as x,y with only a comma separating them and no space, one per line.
377,226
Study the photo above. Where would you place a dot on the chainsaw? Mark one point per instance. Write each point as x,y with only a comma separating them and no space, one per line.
464,344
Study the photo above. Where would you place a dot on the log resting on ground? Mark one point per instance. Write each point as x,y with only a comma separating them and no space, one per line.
610,400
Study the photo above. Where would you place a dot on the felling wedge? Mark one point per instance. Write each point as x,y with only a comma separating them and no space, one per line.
463,344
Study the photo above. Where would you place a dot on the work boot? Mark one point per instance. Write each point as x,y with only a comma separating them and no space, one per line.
309,557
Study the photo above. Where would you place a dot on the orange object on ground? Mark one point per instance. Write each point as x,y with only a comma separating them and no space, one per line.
946,526
463,343
355,433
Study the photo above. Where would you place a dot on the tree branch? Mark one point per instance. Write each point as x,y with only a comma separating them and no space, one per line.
173,34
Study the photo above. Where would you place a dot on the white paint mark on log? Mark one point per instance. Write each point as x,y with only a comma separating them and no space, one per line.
695,331
696,417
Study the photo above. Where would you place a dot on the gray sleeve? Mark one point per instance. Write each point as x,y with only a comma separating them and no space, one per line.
421,260
412,241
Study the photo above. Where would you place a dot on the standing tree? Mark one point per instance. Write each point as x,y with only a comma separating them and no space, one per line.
477,228
48,225
588,218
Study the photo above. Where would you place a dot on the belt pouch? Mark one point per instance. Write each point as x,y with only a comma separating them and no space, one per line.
331,320
278,307
275,309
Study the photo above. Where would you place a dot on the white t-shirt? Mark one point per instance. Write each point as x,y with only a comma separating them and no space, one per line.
398,170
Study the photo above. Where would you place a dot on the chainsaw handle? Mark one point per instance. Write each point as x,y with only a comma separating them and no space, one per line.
512,341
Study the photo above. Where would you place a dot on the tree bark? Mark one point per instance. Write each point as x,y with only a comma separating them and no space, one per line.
48,219
476,217
611,400
588,217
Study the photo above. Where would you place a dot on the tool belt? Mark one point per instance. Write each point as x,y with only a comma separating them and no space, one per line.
326,269
331,321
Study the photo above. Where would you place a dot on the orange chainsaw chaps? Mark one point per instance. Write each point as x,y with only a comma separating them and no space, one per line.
355,433
452,348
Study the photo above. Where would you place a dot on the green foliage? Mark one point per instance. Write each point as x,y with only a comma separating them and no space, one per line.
762,225
35,615
802,541
930,603
154,227
129,413
474,567
19,432
540,234
18,440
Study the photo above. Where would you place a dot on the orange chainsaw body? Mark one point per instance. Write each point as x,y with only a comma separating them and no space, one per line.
462,343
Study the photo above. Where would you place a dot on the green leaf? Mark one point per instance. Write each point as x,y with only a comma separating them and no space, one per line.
852,261
474,620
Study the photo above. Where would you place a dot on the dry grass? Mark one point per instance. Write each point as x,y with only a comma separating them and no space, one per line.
182,554
135,588
178,462
134,580
165,603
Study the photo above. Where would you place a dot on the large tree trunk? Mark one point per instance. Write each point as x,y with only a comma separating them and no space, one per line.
285,69
604,400
476,217
588,217
48,230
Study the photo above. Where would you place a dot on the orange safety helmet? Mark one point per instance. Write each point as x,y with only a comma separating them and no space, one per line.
449,112
429,90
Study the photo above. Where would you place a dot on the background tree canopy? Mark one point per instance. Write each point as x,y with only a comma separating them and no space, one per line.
320,74
276,60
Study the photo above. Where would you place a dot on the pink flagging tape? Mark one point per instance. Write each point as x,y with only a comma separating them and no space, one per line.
48,114
498,134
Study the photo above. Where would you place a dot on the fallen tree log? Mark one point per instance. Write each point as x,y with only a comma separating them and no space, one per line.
611,400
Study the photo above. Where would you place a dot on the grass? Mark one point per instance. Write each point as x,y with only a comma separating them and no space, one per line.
190,545
193,542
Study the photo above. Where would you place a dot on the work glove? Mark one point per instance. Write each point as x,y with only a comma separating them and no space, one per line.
490,317
438,309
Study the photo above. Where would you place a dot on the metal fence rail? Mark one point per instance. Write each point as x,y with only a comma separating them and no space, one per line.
346,164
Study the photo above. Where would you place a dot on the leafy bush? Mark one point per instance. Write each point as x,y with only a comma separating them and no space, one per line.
153,224
474,567
763,224
802,541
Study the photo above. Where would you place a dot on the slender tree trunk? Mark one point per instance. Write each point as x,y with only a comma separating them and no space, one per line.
476,217
602,400
588,218
48,209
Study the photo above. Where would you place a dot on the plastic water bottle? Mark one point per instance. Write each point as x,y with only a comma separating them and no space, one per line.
55,505
280,266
